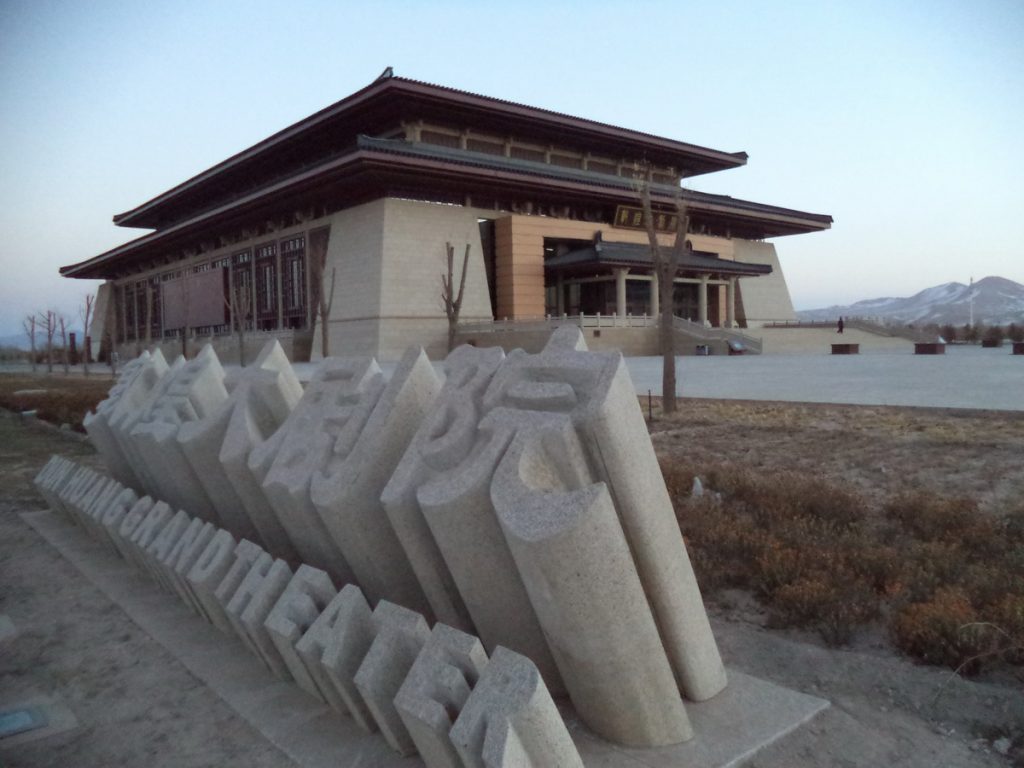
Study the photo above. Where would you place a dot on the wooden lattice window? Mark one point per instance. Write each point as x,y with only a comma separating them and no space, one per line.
130,332
156,314
293,281
241,279
266,287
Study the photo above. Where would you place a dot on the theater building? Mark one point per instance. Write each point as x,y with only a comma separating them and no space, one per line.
374,186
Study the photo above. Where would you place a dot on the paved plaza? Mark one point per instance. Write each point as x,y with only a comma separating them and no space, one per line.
965,377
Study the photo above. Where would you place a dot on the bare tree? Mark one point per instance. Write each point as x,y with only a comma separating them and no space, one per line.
29,324
62,322
322,300
239,305
186,300
149,313
48,321
85,312
665,263
453,301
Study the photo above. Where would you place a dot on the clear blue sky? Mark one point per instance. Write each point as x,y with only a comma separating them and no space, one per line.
902,120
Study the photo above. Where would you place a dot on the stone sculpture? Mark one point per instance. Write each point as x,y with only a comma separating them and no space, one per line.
385,668
260,397
136,380
371,428
519,503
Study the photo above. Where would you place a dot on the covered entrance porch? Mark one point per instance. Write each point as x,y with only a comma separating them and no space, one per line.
610,278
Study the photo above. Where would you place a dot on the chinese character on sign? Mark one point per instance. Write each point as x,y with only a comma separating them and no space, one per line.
632,217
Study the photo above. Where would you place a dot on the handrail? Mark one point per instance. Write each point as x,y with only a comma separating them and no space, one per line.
550,322
705,333
860,323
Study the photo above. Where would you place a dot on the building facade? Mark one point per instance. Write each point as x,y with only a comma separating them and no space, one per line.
356,203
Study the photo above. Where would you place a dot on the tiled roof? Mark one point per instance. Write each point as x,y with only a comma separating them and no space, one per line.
607,253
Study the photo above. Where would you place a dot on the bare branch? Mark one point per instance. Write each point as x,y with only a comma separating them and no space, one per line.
664,264
85,312
462,280
29,324
453,304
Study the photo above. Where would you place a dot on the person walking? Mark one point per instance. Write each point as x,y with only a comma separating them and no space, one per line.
839,326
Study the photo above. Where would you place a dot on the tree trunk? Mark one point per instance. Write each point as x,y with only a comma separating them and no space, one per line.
667,339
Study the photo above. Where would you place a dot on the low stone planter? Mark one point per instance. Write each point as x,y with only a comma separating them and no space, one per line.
929,348
846,349
1018,347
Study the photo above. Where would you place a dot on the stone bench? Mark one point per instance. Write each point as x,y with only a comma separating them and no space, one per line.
929,348
846,349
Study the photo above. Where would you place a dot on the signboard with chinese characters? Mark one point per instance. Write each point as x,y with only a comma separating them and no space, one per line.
632,217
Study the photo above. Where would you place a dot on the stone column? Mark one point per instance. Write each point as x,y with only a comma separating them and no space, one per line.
702,300
730,303
620,292
655,295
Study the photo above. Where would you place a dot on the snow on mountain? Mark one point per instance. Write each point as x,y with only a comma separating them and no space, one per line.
997,301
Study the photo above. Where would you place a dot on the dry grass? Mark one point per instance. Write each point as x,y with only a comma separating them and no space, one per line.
56,399
945,578
844,517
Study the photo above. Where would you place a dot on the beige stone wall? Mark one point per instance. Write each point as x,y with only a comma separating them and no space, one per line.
354,258
389,257
102,318
765,298
414,260
396,334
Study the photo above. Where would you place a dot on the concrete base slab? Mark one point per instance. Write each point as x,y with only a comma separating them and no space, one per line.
58,718
750,714
730,728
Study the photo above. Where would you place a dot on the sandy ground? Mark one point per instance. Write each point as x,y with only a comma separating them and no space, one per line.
138,706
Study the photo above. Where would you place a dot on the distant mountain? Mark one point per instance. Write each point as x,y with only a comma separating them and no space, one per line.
997,301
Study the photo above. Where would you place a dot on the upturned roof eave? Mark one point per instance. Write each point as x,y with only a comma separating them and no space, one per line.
136,216
594,187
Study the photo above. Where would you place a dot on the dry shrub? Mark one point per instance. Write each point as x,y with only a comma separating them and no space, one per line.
786,496
721,544
942,630
928,517
779,566
835,603
1008,616
794,541
950,578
